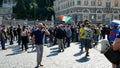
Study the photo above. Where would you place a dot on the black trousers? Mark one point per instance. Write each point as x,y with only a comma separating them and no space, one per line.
24,42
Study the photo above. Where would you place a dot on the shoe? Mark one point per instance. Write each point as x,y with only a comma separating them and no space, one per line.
4,49
41,65
37,66
62,50
59,50
87,54
25,49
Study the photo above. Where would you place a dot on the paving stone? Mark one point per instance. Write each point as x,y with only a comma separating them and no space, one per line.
13,57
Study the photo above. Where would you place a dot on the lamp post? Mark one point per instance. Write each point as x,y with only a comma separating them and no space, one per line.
52,23
95,12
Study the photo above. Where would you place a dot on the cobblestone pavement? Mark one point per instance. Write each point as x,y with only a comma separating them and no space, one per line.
13,57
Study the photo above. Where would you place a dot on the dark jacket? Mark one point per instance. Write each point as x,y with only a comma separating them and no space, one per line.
59,33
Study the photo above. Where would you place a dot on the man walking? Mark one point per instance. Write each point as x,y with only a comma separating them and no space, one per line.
88,37
38,38
19,31
68,35
60,34
3,37
81,36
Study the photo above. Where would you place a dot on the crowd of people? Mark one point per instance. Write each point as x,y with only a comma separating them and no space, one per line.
62,35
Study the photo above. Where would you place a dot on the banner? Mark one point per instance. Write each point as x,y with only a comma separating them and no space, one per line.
66,19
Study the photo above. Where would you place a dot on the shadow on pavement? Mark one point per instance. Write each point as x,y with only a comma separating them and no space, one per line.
36,67
83,59
16,50
79,53
53,48
54,52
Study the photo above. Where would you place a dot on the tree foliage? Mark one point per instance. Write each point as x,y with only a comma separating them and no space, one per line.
34,9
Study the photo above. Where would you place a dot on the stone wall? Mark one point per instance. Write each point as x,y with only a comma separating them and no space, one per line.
21,22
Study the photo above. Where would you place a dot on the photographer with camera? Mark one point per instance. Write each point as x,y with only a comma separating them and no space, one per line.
116,47
37,37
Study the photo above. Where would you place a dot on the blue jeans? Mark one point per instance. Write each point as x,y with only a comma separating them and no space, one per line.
19,40
55,41
68,41
11,39
82,43
3,43
76,37
95,37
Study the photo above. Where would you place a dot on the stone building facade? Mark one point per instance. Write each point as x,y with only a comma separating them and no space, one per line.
6,8
96,11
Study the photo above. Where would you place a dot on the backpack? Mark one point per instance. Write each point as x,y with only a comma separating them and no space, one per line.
87,34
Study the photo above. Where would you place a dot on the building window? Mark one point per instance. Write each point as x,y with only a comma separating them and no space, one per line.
99,3
86,11
108,5
99,11
78,2
1,1
115,17
115,11
68,4
5,1
92,3
85,3
116,4
85,17
73,3
99,17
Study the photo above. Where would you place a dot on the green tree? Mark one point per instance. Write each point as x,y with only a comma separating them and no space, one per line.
34,9
20,9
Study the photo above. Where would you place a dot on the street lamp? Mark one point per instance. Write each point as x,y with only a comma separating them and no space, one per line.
95,18
52,23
